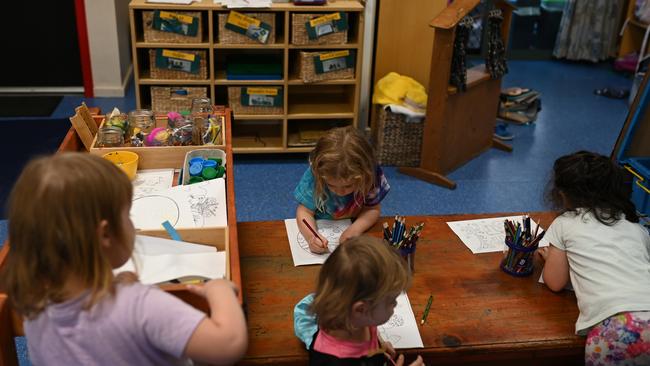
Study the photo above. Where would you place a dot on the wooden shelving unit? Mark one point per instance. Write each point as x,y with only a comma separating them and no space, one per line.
459,125
317,106
632,35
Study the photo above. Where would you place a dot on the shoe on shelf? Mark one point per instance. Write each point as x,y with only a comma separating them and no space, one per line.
501,132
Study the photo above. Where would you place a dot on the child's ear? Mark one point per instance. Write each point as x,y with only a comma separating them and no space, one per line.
360,308
103,233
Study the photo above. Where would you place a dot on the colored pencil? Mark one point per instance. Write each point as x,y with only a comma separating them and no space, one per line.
426,310
314,232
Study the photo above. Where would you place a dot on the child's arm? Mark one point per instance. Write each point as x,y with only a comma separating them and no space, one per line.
556,269
221,339
316,245
366,219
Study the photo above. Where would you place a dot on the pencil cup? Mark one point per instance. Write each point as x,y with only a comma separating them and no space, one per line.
409,256
518,261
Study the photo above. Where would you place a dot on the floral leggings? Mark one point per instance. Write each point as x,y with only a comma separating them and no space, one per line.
622,339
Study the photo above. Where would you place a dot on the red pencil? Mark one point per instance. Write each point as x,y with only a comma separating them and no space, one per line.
313,232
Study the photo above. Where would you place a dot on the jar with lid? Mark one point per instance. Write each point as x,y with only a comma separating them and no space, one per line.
201,105
110,136
141,123
181,129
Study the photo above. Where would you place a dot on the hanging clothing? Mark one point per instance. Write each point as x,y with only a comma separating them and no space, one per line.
588,30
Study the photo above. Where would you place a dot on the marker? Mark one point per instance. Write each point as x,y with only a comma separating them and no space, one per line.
426,310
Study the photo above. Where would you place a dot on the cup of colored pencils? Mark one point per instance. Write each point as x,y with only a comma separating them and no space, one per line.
402,239
521,241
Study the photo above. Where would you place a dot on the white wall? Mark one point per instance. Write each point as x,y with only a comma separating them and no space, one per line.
110,51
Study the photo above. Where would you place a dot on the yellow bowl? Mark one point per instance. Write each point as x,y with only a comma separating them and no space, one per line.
125,160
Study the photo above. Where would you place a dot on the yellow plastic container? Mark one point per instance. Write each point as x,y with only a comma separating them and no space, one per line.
125,160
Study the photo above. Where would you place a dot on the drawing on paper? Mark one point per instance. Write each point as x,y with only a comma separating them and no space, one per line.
149,181
401,329
332,235
202,205
155,209
395,321
486,235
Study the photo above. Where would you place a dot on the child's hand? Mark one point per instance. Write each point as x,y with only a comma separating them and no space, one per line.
349,233
212,285
317,245
543,253
388,347
418,361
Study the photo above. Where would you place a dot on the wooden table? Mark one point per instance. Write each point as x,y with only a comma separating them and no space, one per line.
480,315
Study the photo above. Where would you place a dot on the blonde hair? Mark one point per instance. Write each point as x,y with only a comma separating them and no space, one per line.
55,209
362,269
343,153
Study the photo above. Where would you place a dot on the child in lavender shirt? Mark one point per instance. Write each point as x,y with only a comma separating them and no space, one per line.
68,230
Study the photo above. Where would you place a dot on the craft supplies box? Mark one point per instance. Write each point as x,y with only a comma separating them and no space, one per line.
157,157
632,149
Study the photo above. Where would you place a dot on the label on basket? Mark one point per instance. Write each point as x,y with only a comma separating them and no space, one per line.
175,23
179,61
248,26
333,61
261,97
327,24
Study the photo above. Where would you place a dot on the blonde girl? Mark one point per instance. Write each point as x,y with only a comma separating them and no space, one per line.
69,227
342,181
357,290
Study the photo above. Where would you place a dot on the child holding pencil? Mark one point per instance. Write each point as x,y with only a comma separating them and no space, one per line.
343,181
599,245
357,290
69,227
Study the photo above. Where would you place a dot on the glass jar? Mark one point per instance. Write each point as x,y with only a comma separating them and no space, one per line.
110,136
141,122
201,105
181,131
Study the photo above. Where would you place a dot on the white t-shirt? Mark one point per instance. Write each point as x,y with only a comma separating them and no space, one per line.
609,266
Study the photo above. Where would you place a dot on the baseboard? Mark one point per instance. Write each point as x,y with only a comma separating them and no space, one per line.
115,91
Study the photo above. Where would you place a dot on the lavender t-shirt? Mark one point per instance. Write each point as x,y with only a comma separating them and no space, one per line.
140,325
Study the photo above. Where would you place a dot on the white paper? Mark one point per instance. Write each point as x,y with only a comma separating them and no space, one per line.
190,206
148,181
488,235
244,3
157,260
401,330
184,2
329,229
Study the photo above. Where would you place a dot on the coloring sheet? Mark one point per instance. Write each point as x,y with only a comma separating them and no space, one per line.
401,330
148,181
487,235
157,260
190,206
330,229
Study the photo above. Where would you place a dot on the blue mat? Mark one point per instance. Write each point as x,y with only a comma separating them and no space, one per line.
23,140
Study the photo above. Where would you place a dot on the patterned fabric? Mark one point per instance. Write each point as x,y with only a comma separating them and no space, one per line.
622,339
339,207
588,30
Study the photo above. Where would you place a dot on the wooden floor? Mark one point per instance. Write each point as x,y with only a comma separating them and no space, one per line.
480,315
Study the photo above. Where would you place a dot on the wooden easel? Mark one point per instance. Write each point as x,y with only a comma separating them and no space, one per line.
459,125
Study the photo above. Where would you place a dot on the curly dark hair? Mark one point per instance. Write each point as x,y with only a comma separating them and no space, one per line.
592,182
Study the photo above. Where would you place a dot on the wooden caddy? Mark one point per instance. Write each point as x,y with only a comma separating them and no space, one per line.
459,125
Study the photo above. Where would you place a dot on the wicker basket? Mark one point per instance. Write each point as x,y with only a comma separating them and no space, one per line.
153,35
234,100
168,99
397,142
227,36
160,73
308,72
299,31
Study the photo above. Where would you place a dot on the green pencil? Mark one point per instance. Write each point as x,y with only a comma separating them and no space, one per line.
426,310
